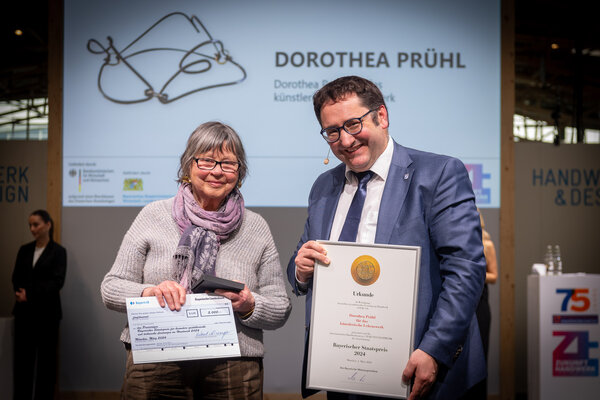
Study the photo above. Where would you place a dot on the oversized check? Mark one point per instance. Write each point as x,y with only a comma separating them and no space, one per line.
363,318
203,328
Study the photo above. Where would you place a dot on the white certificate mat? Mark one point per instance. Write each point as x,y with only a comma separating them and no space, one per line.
362,322
203,328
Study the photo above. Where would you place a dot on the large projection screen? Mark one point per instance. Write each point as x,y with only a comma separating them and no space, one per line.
139,76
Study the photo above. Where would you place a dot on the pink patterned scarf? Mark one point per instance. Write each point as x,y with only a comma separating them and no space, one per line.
201,233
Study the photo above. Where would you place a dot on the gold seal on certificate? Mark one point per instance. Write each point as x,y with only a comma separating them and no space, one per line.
365,270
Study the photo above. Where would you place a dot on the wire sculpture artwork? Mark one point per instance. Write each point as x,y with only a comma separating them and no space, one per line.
174,54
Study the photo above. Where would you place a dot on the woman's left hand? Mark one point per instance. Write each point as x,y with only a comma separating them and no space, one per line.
21,295
242,302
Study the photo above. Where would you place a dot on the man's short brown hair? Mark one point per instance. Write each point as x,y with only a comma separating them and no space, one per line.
341,88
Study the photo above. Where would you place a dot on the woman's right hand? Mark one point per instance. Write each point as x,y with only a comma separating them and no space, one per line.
21,295
171,292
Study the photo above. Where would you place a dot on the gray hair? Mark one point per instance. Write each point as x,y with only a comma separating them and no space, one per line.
208,137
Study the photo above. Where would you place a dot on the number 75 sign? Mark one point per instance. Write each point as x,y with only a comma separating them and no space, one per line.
575,299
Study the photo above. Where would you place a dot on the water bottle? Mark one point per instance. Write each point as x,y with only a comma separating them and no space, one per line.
557,261
549,260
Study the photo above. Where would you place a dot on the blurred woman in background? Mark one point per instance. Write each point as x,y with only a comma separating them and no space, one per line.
483,312
38,276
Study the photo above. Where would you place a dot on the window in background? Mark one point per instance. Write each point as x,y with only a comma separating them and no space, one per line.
24,119
527,129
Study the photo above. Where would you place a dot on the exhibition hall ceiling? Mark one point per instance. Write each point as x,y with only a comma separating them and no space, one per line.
557,58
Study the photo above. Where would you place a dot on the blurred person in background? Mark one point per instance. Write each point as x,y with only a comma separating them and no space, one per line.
38,276
483,312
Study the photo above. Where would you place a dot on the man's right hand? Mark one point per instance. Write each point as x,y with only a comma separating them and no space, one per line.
305,259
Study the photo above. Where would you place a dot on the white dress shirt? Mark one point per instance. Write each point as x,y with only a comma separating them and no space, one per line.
368,220
37,253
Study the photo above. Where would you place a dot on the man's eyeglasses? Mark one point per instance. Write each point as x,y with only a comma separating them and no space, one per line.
208,164
353,127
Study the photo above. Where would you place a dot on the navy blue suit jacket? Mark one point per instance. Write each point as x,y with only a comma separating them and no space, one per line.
427,201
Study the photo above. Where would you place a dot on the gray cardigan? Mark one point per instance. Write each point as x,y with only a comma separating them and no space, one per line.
248,255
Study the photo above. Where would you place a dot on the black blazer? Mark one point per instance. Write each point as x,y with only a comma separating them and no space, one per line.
43,282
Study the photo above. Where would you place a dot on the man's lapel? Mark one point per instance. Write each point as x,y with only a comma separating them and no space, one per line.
331,198
394,193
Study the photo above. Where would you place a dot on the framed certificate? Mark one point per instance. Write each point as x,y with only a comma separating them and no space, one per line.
363,317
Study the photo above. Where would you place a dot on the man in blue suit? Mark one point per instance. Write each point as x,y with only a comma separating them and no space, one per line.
412,198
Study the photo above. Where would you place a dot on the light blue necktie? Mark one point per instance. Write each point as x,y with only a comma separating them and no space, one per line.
350,229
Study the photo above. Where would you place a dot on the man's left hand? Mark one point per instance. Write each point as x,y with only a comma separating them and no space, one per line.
423,368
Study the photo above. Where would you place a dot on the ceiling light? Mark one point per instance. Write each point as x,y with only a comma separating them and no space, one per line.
18,32
554,46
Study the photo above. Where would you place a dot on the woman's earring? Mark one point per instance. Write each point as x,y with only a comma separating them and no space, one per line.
186,179
239,184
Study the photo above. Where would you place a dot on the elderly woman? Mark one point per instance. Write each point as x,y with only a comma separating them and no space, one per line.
204,229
